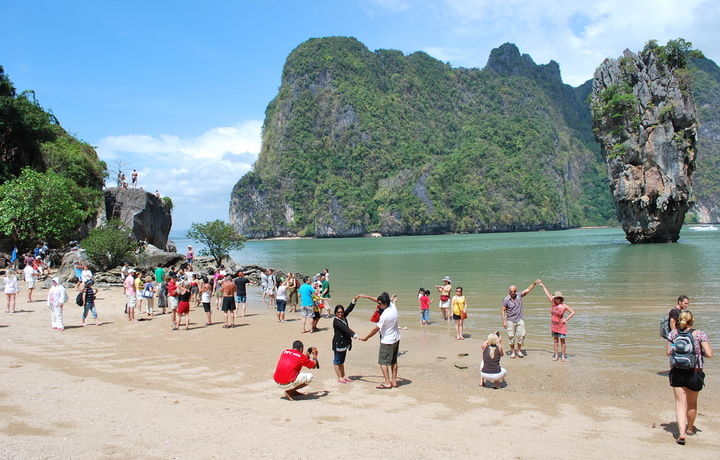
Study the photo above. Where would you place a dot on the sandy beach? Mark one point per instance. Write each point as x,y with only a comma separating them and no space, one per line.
141,390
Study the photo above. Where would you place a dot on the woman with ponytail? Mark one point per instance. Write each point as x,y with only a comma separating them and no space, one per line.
490,369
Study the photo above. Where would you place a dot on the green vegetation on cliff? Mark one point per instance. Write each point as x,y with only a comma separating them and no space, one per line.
357,141
32,138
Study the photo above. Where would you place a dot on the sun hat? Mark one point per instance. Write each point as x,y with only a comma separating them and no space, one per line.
447,278
559,295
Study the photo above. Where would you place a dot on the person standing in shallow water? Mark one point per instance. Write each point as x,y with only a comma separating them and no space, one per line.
445,291
558,325
459,310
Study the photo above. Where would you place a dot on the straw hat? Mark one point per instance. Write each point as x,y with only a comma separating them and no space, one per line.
559,295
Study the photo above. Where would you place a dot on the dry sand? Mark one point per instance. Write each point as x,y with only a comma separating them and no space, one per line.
140,390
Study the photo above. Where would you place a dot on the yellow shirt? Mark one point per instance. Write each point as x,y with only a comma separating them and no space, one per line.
458,305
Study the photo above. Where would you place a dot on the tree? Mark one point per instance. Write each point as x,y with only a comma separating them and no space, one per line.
219,238
108,246
40,206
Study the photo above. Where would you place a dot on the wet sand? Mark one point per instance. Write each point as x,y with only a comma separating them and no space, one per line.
141,390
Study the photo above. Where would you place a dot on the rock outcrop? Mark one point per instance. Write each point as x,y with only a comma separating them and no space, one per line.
143,212
645,120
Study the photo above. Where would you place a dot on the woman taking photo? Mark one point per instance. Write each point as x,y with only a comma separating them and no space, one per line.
490,369
687,383
342,339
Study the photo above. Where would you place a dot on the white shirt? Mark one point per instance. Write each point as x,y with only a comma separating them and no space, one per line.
388,324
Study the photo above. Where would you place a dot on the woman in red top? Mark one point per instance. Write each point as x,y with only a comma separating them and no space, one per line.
558,325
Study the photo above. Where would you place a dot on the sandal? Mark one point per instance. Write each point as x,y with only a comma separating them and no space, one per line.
384,387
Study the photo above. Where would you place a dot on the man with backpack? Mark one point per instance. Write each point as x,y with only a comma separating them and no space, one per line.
670,322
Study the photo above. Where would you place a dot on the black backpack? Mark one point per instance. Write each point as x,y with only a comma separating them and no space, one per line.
79,299
665,327
682,355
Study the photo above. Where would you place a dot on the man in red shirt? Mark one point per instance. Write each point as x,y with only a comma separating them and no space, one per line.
287,373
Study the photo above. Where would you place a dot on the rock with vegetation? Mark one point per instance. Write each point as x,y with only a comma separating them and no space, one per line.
360,142
143,213
645,120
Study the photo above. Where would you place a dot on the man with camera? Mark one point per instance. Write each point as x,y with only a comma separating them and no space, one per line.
287,373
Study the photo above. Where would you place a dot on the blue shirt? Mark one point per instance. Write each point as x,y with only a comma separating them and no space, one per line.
306,292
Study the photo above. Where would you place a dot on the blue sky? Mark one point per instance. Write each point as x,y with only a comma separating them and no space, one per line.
178,90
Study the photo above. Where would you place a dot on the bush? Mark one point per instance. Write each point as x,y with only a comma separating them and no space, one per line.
219,237
108,246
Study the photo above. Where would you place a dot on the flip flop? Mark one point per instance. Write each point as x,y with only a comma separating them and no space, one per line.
680,441
384,387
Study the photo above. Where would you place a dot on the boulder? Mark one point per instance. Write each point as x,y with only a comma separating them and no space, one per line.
153,257
143,212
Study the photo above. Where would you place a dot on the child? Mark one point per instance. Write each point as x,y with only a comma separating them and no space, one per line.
425,307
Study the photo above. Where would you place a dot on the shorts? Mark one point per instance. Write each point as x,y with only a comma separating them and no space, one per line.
30,284
445,304
280,305
131,300
173,302
194,289
388,353
228,304
516,331
206,307
494,377
302,378
339,357
688,378
307,311
240,299
183,307
457,317
559,335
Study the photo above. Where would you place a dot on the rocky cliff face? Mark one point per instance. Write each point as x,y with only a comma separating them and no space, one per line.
645,120
142,211
362,142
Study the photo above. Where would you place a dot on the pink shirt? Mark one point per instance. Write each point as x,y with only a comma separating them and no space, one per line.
557,312
129,285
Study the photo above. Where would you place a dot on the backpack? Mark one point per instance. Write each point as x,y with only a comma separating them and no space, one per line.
682,355
665,327
79,299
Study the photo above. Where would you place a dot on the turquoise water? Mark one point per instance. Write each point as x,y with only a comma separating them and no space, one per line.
618,290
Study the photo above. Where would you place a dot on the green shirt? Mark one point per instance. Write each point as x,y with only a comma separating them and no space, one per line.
159,274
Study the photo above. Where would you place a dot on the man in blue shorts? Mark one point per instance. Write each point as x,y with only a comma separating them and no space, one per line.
241,294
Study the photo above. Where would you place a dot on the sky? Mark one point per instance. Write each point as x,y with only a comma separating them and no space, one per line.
178,90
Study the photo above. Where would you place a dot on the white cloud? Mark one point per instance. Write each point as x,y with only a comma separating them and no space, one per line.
576,34
197,173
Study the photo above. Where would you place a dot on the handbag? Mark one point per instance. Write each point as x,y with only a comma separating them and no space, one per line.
463,315
375,316
444,298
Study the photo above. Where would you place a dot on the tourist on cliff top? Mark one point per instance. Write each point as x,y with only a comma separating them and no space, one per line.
57,297
11,289
134,178
513,318
490,369
342,339
459,309
445,291
558,325
687,383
